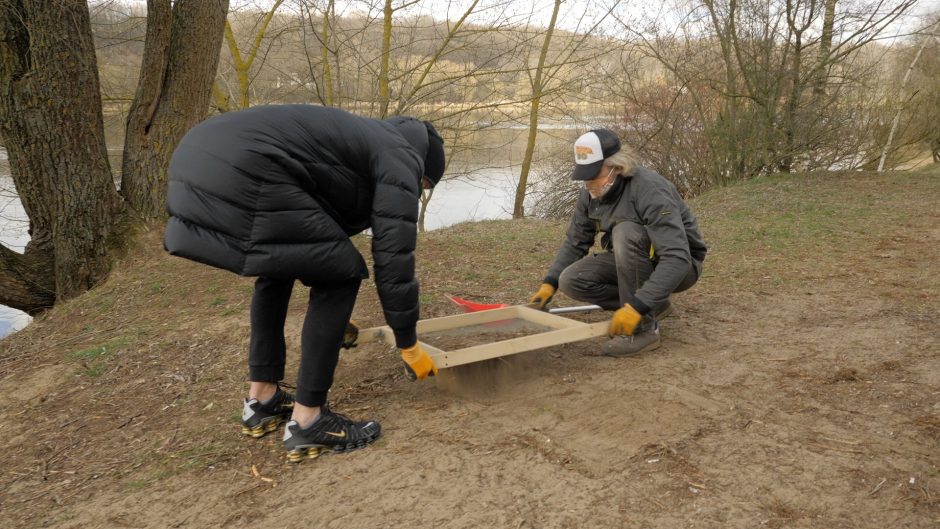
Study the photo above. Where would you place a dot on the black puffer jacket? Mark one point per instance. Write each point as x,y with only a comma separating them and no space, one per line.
276,191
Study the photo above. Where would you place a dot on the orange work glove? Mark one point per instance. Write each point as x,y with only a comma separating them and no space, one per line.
351,335
543,296
624,321
418,365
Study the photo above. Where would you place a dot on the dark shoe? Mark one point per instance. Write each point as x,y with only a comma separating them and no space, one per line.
260,419
664,311
329,432
630,345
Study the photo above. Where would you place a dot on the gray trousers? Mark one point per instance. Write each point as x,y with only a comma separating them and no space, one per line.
609,279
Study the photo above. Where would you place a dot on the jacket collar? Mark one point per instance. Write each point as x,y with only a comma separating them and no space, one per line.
614,194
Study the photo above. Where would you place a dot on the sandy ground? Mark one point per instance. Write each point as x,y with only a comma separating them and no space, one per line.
793,389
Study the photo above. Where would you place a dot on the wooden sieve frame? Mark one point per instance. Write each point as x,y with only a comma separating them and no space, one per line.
563,330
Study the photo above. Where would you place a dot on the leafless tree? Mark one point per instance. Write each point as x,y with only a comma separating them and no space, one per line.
765,86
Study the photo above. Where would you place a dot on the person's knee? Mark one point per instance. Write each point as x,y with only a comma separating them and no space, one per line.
695,271
630,237
566,282
629,233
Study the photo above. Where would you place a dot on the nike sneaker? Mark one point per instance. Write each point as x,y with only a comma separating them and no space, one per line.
330,432
260,419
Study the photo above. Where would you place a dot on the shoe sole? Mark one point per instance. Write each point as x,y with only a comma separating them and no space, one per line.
651,347
300,453
664,313
264,428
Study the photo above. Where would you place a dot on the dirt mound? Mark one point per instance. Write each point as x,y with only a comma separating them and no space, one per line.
797,386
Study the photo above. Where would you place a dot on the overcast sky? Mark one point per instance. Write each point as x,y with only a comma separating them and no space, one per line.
575,15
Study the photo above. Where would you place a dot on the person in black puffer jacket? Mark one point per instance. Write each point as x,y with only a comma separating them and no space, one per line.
276,192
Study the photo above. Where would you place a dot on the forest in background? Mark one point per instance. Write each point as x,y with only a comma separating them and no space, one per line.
706,91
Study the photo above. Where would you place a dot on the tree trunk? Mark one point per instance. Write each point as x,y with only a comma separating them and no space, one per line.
733,167
52,126
518,210
425,198
897,115
329,17
793,98
243,64
180,61
820,74
384,91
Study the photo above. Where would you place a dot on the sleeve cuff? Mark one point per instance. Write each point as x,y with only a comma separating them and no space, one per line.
553,281
406,339
639,306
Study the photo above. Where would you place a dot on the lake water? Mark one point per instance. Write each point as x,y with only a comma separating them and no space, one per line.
483,191
13,235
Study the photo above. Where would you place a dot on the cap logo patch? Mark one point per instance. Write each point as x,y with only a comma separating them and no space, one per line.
582,152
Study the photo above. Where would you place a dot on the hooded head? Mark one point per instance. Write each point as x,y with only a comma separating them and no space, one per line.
425,139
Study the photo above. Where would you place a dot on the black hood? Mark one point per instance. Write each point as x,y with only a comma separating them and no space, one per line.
425,139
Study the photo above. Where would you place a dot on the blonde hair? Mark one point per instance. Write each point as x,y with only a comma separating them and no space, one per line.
624,159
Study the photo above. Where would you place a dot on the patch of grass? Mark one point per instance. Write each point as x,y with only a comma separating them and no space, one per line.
155,287
85,354
100,353
94,371
174,464
230,311
216,302
101,350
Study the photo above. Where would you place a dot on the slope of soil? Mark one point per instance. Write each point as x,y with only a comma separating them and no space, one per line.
798,385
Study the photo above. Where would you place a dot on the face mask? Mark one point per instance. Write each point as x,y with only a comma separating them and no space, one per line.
605,188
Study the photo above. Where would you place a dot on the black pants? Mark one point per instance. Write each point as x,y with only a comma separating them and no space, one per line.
328,310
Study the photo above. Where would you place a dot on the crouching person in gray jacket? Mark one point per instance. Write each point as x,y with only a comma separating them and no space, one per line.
651,244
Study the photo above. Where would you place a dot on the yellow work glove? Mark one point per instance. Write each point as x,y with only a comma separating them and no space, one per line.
418,365
624,321
543,296
351,335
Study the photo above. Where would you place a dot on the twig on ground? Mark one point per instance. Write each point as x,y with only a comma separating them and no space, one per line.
416,434
128,421
836,448
878,487
856,443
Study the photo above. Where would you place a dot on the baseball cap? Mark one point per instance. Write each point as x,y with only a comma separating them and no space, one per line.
590,150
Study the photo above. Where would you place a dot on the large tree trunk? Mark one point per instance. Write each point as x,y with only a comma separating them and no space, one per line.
52,126
179,65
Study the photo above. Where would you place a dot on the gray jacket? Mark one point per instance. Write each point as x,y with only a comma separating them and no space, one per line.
646,198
